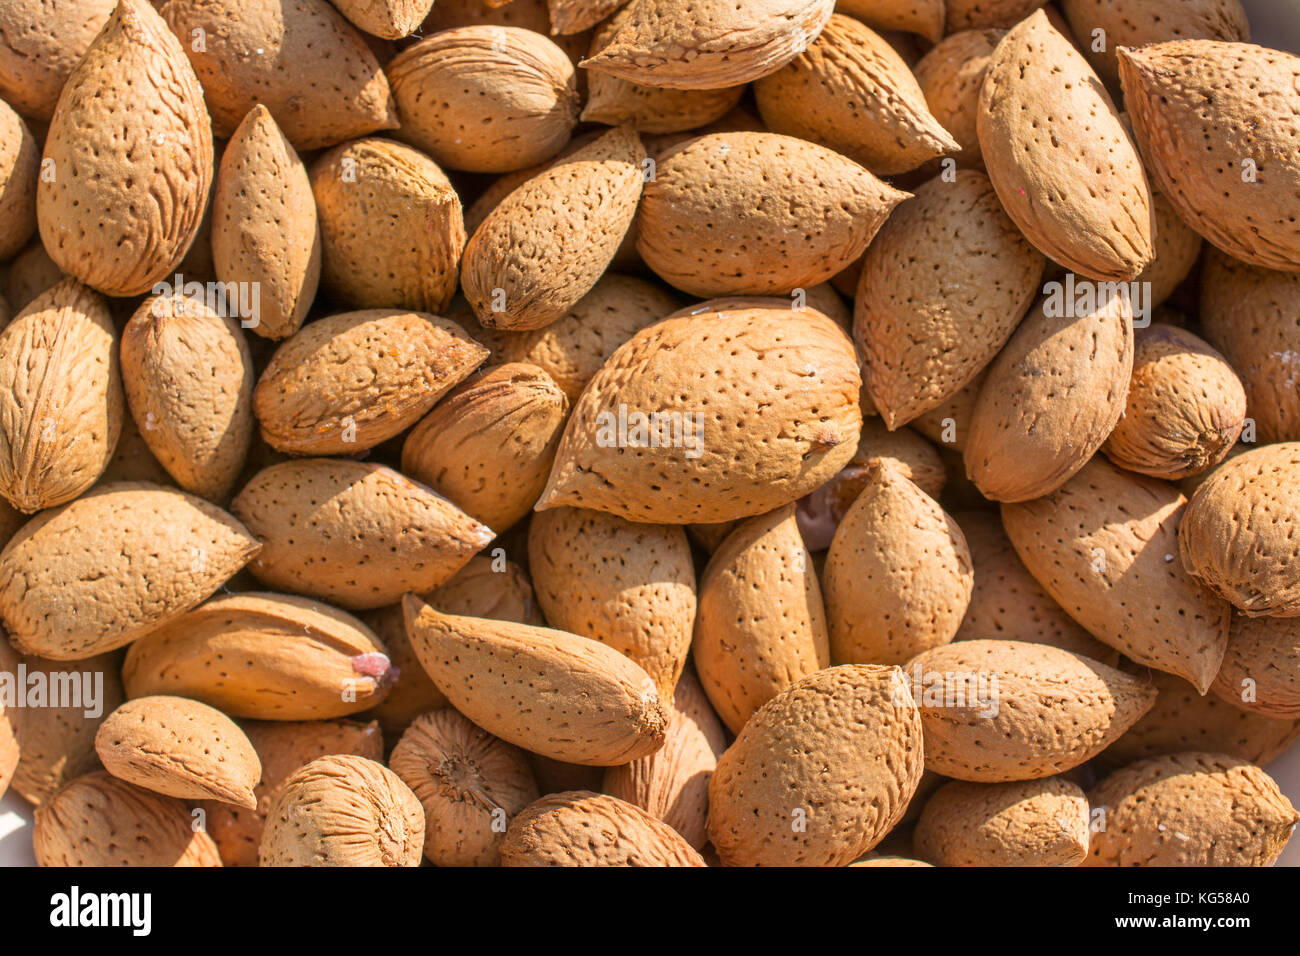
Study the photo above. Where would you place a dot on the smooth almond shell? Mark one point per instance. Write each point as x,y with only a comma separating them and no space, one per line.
347,382
950,77
113,565
355,534
181,748
61,403
1059,157
41,41
748,461
996,711
265,656
131,133
580,828
20,160
1261,667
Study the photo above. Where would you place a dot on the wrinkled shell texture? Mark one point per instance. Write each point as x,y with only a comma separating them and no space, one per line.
579,828
41,41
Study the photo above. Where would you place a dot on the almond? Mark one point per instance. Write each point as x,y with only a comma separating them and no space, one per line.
1020,823
343,810
266,656
470,784
948,424
1190,809
631,586
1238,535
118,562
924,17
580,828
390,19
950,77
188,377
1261,667
1252,316
851,92
551,692
30,273
265,232
1177,250
1059,157
898,574
347,382
315,74
709,44
542,248
982,14
574,16
996,711
1216,120
20,160
1185,407
1051,398
672,784
790,421
181,748
355,534
486,99
489,445
41,41
820,773
130,134
282,747
943,286
761,623
98,820
62,391
718,185
392,228
1103,546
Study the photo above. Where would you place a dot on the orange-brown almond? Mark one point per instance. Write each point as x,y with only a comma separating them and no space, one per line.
20,159
950,76
580,828
389,19
1261,667
41,41
923,17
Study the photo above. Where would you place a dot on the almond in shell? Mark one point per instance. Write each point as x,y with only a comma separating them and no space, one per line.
950,77
1261,667
983,14
20,159
41,41
390,19
923,17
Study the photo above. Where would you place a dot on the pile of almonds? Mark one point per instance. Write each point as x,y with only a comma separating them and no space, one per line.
640,432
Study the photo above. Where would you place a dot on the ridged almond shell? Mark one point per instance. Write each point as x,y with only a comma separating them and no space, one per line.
574,16
580,828
41,41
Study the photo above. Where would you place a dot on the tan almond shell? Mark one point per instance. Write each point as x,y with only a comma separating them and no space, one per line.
1249,314
41,41
1200,110
761,624
470,784
20,161
392,227
580,828
1104,546
709,44
9,756
720,184
1060,159
1050,399
264,228
1007,604
1019,823
849,91
31,272
948,424
317,75
130,134
985,14
528,14
282,747
97,820
343,810
1177,250
672,784
943,287
923,17
630,586
120,561
649,109
1185,409
1190,809
1182,719
950,77
557,694
62,385
188,377
345,383
995,711
489,444
898,574
574,16
573,348
780,372
181,748
1261,667
1238,536
838,752
264,656
389,19
133,461
544,246
870,860
355,534
485,99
